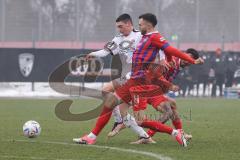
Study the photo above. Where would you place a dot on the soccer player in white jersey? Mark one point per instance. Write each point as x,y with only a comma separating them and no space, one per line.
123,45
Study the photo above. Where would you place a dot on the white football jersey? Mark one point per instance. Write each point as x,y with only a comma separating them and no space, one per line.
124,46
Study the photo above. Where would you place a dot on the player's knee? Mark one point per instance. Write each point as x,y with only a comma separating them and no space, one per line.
172,103
110,100
106,89
161,107
167,110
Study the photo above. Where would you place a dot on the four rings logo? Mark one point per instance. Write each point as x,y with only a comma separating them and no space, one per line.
26,61
82,66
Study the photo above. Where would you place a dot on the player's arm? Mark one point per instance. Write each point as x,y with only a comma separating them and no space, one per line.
109,48
99,53
162,44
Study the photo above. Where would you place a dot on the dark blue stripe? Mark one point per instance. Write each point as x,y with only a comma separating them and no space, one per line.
155,51
143,63
164,46
140,50
153,56
141,73
135,61
146,52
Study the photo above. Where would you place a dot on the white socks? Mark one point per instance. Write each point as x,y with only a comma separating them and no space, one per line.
91,135
129,121
117,115
174,132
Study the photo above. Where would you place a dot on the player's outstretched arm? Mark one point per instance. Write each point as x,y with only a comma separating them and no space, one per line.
177,53
110,48
100,53
161,43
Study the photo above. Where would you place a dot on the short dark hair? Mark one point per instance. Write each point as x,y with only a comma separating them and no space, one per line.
150,18
193,52
124,18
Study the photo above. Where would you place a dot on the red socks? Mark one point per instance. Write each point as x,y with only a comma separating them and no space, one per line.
177,124
151,132
102,120
157,126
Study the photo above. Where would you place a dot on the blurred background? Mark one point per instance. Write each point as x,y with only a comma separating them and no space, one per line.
38,35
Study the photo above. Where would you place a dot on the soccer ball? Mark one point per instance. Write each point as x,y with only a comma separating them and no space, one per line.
31,129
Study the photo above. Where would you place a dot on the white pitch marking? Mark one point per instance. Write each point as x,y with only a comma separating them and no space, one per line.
144,153
32,158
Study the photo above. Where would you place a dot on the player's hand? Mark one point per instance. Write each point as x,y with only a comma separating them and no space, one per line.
199,61
174,88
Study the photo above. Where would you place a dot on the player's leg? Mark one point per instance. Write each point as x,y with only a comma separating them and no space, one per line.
176,120
159,103
162,107
148,91
117,116
108,105
118,122
156,126
160,127
168,107
138,106
130,122
110,87
110,101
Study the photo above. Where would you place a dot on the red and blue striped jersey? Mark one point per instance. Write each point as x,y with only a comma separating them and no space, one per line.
147,50
146,53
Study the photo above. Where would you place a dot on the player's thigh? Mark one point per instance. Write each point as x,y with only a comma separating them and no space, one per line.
123,107
110,100
122,92
158,102
139,115
110,86
172,103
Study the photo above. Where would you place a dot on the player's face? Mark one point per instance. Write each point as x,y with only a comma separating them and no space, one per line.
124,27
142,26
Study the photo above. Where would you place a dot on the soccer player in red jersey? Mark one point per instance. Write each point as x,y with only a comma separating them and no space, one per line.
165,104
143,56
161,103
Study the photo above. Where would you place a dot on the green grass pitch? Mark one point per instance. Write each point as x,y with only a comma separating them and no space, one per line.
214,124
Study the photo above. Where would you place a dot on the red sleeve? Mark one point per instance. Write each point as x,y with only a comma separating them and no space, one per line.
175,52
161,43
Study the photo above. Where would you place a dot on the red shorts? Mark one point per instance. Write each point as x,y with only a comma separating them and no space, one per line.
136,88
123,92
154,101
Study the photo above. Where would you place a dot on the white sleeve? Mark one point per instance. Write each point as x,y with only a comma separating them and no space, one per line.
113,46
110,48
100,53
